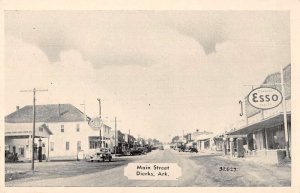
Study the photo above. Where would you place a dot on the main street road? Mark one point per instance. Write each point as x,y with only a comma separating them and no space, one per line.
197,170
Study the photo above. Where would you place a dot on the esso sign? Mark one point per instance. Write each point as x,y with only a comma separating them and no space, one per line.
265,98
96,123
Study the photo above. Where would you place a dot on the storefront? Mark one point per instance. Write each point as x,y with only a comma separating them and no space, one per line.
266,138
265,128
18,140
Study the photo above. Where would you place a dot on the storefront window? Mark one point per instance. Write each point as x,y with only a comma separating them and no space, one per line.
275,137
94,142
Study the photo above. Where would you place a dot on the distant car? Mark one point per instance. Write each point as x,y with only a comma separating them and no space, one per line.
181,149
101,154
136,152
143,150
161,147
192,150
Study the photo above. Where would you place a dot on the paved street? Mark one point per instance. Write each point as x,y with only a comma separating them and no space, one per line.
197,170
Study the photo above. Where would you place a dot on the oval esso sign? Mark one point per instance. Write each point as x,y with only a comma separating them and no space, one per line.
265,98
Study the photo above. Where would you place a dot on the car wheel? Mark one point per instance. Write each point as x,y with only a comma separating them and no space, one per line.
92,160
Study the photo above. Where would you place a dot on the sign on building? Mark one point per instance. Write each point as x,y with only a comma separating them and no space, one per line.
96,123
265,98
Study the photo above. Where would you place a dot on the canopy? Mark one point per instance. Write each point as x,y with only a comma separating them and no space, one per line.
23,130
266,123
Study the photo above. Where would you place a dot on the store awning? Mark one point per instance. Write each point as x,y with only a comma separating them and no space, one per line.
23,130
266,123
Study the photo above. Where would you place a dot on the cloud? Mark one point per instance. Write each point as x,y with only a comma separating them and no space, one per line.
211,28
71,80
159,72
207,28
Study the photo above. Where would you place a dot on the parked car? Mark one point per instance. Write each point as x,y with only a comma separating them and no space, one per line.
135,152
101,154
192,150
149,148
144,150
181,149
11,157
161,147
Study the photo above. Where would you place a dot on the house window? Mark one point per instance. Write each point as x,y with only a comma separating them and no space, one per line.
51,146
67,145
62,128
78,145
78,127
41,129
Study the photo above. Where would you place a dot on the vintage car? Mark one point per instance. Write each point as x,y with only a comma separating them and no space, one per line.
135,151
192,150
101,154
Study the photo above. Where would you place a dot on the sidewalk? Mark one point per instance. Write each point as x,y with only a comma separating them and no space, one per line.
255,159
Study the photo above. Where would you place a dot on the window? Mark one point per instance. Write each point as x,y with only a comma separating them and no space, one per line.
78,127
78,145
62,128
67,145
94,142
41,129
51,146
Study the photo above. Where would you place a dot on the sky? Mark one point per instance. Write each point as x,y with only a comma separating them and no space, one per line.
161,73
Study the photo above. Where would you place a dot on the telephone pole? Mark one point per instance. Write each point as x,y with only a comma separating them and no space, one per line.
100,137
99,100
115,135
33,123
286,133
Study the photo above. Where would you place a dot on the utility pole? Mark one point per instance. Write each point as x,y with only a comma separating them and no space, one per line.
285,116
115,121
33,123
100,137
115,135
99,100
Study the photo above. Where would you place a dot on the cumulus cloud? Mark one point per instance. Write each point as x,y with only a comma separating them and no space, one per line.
70,80
159,72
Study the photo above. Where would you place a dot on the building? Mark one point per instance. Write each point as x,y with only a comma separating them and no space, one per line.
264,132
64,131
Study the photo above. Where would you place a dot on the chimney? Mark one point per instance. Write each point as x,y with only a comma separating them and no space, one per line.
17,108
